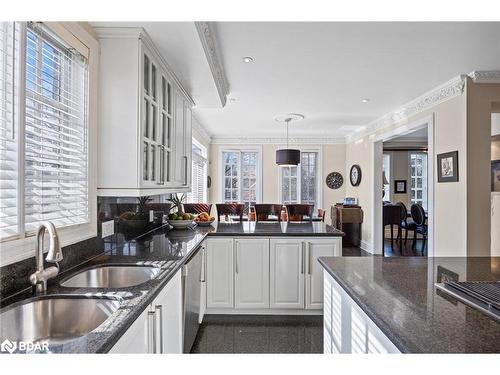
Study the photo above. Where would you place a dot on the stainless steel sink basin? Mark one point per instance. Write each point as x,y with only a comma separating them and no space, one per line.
55,319
112,276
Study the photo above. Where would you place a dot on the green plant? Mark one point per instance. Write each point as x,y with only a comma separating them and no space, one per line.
177,202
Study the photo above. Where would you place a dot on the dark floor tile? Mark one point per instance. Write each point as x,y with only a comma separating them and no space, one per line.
260,334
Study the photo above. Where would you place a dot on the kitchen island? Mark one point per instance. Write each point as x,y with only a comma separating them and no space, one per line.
376,304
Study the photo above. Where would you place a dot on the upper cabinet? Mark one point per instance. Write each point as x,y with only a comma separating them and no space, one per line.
145,119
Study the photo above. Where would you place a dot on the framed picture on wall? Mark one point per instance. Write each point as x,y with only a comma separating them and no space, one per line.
399,186
495,175
447,167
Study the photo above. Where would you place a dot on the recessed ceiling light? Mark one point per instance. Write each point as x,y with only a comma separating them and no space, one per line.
366,100
248,59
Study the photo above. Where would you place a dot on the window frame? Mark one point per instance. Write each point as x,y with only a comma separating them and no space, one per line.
424,177
203,155
81,37
258,150
319,177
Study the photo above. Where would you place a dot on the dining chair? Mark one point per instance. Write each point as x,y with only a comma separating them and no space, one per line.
405,224
297,212
197,208
391,215
230,209
419,218
321,214
263,211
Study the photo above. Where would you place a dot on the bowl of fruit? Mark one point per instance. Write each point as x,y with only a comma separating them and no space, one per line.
181,220
204,219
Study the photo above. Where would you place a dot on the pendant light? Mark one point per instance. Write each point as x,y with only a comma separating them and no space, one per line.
288,157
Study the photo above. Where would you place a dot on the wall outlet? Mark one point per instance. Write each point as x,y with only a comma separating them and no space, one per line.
151,216
108,228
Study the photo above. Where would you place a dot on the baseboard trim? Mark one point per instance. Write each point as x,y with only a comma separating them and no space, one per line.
263,312
366,246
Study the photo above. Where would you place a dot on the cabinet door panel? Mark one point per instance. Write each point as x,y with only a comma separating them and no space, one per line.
135,340
251,278
314,277
179,159
168,310
287,274
220,281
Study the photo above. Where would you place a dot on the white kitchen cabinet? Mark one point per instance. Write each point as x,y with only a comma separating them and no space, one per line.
251,273
316,248
220,271
287,267
346,327
144,117
167,308
136,339
159,328
203,293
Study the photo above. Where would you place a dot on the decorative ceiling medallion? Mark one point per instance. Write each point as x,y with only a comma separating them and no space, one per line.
209,43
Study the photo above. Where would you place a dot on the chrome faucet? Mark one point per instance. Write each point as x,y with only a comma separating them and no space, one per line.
54,255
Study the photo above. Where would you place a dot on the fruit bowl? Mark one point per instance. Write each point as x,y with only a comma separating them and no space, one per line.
204,223
181,224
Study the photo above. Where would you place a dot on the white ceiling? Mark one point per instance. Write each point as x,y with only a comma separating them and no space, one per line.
321,70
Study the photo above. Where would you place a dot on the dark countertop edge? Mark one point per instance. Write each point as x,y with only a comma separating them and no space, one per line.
374,317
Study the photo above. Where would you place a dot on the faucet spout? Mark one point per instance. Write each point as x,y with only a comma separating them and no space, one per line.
54,255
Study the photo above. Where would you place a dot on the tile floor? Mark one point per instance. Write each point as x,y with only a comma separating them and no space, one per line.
260,334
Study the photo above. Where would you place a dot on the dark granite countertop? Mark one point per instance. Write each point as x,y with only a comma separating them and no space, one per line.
399,295
270,229
165,248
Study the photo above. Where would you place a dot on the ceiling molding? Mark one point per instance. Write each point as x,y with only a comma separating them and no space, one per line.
485,76
200,129
210,46
452,88
270,140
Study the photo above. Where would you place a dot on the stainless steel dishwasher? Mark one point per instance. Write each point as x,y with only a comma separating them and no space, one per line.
191,283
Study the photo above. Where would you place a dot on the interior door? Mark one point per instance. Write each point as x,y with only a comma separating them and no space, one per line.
287,267
251,277
314,274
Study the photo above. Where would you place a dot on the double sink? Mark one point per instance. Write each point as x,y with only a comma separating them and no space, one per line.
55,319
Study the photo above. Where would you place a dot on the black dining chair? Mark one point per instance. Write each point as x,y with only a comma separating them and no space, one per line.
418,216
391,215
405,224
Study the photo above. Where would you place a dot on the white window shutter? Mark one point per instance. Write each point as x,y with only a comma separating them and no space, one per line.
9,130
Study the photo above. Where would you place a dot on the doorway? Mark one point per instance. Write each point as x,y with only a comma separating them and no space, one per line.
403,160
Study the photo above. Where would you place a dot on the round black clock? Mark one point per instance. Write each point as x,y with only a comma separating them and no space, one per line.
334,180
355,175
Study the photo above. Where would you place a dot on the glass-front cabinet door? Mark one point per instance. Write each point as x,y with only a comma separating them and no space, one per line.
166,133
150,119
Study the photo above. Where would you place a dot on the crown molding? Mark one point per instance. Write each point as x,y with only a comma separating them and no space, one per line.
485,76
281,141
452,88
211,48
200,129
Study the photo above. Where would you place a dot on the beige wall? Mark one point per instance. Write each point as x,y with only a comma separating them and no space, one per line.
400,171
449,217
333,159
495,148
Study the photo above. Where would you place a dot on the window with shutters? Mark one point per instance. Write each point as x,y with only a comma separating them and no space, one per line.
302,183
44,130
198,192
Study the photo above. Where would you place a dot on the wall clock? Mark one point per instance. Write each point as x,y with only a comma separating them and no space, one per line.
334,180
355,175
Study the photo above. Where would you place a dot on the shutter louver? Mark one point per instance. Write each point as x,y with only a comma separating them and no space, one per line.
56,170
197,194
9,130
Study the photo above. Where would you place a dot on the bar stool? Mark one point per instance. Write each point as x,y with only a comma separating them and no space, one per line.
297,212
197,208
263,211
230,209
